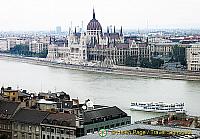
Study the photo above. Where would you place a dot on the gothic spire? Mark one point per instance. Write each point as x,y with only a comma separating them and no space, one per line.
121,34
50,41
75,30
107,29
93,14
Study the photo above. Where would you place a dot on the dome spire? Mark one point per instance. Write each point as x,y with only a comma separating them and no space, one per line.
93,14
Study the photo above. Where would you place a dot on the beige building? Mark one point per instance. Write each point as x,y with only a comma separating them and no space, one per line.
193,57
39,45
10,42
162,49
13,41
3,44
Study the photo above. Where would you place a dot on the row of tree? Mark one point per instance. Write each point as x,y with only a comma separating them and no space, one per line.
23,50
179,55
144,62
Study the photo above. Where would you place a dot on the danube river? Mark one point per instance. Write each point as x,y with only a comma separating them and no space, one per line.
101,88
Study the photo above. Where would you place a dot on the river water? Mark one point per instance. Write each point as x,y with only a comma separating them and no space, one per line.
101,88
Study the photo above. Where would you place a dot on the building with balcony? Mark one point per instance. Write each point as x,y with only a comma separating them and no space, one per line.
193,57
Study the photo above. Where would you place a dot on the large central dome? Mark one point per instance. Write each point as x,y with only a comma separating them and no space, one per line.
94,24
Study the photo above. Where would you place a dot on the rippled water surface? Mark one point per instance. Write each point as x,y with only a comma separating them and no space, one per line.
105,89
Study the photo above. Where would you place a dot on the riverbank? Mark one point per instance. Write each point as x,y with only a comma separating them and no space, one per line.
120,70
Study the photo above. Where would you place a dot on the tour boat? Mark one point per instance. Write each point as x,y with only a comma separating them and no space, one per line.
158,107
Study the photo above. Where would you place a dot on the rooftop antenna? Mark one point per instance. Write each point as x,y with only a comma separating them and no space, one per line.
55,89
81,26
71,25
110,28
41,87
147,27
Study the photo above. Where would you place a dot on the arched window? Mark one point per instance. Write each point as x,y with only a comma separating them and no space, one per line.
54,122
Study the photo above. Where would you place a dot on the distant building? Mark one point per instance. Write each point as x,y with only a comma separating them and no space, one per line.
73,51
3,44
58,29
39,45
13,41
193,57
164,50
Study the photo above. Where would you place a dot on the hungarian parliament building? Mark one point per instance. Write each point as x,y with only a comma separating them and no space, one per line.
95,47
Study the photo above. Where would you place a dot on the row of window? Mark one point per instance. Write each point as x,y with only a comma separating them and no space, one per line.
195,68
107,127
4,126
25,136
58,130
25,127
53,137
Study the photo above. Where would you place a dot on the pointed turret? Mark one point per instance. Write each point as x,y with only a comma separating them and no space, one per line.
121,34
50,41
69,33
2,90
108,30
75,30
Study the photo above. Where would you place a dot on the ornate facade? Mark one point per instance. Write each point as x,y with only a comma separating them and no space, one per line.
104,49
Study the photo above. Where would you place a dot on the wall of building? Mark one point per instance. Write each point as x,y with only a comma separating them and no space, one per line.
91,128
193,57
25,131
57,132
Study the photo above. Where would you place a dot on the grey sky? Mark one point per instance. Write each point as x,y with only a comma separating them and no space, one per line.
47,14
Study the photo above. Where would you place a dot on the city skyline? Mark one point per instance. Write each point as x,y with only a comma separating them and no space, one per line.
35,15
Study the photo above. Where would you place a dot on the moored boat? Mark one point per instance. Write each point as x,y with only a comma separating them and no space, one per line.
158,107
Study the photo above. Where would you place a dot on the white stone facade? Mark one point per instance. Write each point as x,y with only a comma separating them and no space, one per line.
3,44
75,52
193,57
37,47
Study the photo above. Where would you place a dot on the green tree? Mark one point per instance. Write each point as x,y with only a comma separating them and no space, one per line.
156,63
179,54
43,54
24,50
144,62
20,50
130,61
153,63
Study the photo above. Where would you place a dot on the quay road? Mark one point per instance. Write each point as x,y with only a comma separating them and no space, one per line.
121,70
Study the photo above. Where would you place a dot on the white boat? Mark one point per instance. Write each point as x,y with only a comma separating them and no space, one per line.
158,107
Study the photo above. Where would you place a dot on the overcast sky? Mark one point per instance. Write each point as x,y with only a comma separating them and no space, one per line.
133,14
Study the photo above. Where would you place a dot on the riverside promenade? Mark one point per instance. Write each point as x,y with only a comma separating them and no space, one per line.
120,70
